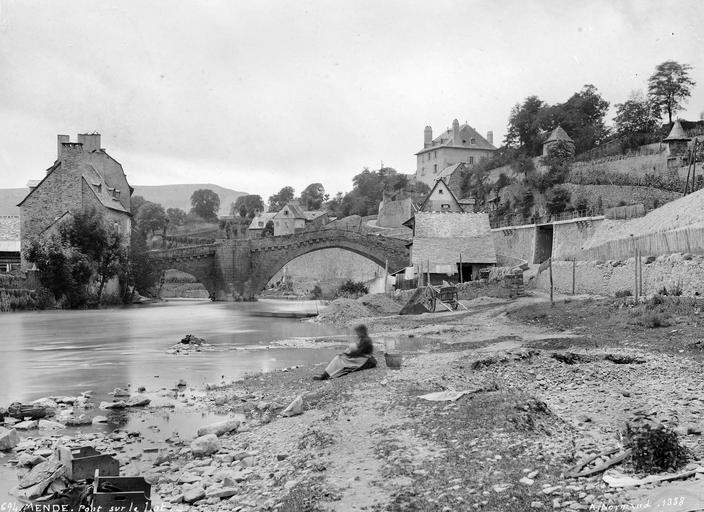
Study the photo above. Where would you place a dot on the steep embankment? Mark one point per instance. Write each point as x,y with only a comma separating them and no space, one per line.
179,196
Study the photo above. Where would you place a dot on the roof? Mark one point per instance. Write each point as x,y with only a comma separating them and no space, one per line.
677,132
295,209
9,228
451,225
467,134
314,214
102,192
558,134
263,217
450,170
441,237
51,169
438,182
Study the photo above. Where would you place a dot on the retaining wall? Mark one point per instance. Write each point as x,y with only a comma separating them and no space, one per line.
606,278
517,242
569,237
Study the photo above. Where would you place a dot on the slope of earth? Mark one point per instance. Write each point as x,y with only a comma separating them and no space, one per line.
179,196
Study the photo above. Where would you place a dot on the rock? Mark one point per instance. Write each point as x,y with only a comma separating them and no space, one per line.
29,460
532,474
220,428
162,456
527,481
50,425
43,474
205,445
188,478
119,392
220,492
137,401
8,439
27,425
500,487
181,383
46,402
99,419
77,421
194,494
113,405
294,408
536,504
281,456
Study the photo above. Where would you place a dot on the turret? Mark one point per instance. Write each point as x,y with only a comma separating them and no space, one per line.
427,137
456,132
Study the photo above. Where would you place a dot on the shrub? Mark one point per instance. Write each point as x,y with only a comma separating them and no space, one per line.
654,319
654,447
623,293
316,293
352,289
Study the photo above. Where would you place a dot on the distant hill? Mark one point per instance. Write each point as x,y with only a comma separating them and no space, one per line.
9,198
168,196
179,196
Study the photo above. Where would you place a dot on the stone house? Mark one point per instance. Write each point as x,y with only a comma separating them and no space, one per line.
556,135
293,219
441,199
461,144
677,143
451,246
83,176
259,222
9,243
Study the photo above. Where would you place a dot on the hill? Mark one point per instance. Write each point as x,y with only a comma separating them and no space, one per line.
179,196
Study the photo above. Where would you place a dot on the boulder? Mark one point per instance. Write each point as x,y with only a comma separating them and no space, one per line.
137,401
113,405
205,445
294,408
50,425
220,428
8,439
119,392
194,494
215,491
77,421
29,460
99,419
27,425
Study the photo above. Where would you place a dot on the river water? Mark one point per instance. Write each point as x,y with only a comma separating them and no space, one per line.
65,353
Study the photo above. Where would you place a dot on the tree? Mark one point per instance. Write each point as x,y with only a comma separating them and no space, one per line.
636,115
247,206
151,218
205,203
140,271
268,229
136,203
176,216
524,126
312,196
669,86
557,200
281,199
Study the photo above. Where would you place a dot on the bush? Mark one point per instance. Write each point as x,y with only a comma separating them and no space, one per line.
316,293
623,293
654,447
352,289
652,319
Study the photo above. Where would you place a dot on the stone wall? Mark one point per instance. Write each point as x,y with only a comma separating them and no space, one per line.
685,271
568,237
516,242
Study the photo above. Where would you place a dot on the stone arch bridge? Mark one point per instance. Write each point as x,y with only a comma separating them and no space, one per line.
232,269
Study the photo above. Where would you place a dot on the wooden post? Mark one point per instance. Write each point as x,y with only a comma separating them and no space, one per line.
461,277
574,273
428,269
635,266
386,275
640,272
552,302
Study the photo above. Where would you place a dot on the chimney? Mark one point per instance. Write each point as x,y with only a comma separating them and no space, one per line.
456,132
490,137
427,137
90,141
60,139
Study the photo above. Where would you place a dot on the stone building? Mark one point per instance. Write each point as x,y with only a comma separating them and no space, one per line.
445,242
394,210
289,220
441,199
259,222
460,144
83,176
558,134
9,242
677,141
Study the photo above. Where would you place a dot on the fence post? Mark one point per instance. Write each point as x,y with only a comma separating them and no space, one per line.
574,272
635,267
461,280
552,302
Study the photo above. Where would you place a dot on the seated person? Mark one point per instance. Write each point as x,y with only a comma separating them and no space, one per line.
357,357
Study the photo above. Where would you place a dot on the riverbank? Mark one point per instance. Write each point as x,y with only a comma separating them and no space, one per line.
368,441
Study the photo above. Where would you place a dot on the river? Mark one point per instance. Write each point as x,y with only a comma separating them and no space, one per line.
65,353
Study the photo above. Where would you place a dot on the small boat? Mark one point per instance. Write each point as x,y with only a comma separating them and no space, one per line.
284,314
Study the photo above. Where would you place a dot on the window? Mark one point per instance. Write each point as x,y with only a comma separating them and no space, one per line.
285,212
116,226
435,167
472,140
435,155
471,160
445,207
440,191
422,171
261,224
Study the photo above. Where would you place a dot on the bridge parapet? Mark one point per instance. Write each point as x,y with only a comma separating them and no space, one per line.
177,253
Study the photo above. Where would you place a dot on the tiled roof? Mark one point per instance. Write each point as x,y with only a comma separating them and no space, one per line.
9,228
447,251
100,188
449,170
559,134
314,214
262,217
677,132
295,209
441,237
451,225
467,133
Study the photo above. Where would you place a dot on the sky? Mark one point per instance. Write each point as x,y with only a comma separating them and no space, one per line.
255,96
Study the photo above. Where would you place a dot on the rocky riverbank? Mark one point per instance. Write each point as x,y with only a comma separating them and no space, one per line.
530,402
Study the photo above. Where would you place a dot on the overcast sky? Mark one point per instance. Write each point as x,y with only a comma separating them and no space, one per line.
257,95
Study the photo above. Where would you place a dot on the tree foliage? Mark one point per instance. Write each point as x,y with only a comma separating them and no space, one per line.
151,218
636,115
247,206
669,86
557,199
313,196
205,203
281,199
268,229
176,216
